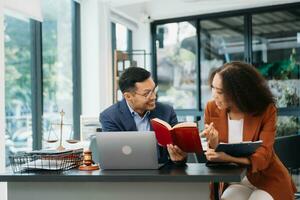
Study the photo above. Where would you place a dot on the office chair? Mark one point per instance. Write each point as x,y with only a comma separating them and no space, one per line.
287,149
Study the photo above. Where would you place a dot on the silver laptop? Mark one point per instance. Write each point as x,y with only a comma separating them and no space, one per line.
127,150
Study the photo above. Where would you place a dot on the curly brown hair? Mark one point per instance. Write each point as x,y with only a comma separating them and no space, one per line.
245,87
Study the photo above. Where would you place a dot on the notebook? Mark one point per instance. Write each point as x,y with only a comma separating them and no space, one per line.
241,149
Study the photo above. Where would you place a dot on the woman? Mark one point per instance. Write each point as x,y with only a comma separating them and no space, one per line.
243,110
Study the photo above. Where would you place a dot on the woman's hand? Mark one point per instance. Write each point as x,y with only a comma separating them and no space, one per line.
211,134
176,154
211,155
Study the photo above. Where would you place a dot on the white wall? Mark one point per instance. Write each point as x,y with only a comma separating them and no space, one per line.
140,32
141,40
30,8
96,57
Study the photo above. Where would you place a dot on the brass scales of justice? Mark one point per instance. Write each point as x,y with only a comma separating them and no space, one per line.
88,163
61,125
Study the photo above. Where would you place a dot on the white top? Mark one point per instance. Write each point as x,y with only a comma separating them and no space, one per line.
235,130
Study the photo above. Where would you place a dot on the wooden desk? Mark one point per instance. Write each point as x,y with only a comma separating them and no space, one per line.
190,182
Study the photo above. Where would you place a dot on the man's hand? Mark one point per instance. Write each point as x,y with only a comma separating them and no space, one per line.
176,154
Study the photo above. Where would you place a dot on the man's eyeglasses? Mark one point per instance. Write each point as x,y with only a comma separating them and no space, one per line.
148,94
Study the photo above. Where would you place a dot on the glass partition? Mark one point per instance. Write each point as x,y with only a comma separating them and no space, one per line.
176,47
276,53
273,33
276,49
222,40
57,66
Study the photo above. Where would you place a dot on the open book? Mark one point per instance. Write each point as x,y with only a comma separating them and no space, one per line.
242,149
185,135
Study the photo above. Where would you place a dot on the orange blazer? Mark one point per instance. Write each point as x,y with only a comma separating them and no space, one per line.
266,171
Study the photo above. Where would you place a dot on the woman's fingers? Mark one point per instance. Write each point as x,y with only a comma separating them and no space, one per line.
205,133
213,133
207,130
210,151
211,126
211,155
208,126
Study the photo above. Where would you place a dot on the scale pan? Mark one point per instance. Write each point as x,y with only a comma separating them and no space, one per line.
72,141
51,141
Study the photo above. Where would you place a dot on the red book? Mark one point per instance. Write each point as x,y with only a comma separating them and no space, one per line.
185,135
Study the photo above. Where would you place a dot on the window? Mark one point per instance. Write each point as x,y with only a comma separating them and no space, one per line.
121,40
57,66
288,125
276,51
17,45
121,37
176,47
35,93
267,37
222,40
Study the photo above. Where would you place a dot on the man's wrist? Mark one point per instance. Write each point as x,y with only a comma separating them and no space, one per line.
180,162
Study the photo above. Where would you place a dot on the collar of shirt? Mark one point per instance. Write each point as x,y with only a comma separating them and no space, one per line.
134,114
142,123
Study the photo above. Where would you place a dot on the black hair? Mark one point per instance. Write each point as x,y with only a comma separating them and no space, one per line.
244,86
131,76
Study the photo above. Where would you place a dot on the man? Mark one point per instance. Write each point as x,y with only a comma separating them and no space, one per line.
136,109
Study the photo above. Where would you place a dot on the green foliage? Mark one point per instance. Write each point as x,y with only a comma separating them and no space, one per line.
17,63
287,126
281,70
49,61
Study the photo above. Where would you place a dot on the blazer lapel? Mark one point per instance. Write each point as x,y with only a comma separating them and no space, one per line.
251,125
126,117
152,115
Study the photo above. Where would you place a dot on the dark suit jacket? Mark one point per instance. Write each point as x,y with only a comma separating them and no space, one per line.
118,118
